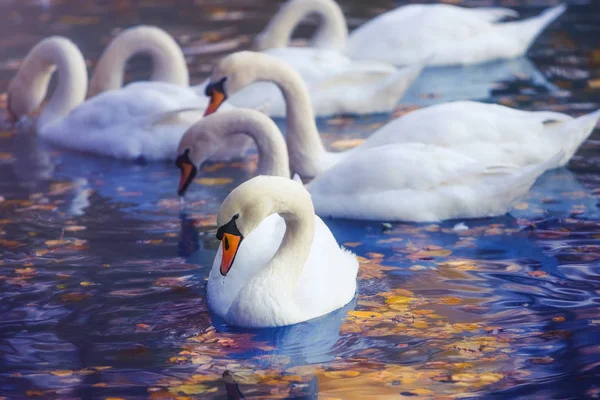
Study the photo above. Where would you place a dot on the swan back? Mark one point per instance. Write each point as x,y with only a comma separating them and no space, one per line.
168,60
331,34
28,88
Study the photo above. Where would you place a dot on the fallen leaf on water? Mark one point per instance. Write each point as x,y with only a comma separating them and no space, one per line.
75,296
345,144
538,274
74,228
63,372
190,389
213,181
352,244
341,374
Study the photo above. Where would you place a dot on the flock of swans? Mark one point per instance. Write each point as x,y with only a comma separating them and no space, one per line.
278,262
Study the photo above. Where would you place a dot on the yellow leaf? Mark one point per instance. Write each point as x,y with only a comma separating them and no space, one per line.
74,228
521,206
352,244
421,391
451,301
366,314
213,181
85,283
420,325
345,144
63,372
399,300
201,360
189,389
341,374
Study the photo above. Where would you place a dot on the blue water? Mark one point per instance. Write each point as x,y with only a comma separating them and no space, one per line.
103,274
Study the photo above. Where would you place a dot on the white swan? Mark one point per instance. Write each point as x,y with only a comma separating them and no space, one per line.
278,264
492,134
142,120
407,181
453,35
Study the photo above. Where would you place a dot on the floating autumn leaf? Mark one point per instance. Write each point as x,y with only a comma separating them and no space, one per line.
345,144
74,228
75,296
64,372
341,374
213,181
25,271
352,244
192,389
538,274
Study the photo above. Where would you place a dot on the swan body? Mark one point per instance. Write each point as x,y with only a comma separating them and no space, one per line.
143,120
401,181
420,183
287,266
337,84
492,134
454,35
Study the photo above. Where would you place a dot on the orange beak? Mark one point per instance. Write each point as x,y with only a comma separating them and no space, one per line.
231,245
216,99
188,171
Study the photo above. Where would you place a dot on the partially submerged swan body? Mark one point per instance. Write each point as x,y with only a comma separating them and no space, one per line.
143,120
443,34
430,34
391,182
491,134
278,263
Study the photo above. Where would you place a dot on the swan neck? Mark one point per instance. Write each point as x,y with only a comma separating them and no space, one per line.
331,33
56,54
272,151
168,61
305,147
287,264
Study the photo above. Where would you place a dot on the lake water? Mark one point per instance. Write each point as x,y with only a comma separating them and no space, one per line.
103,277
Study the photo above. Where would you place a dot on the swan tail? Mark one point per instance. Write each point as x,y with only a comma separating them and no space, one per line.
494,14
571,134
528,30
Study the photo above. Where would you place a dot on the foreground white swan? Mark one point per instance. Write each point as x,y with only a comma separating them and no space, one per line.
408,181
492,134
278,263
454,35
142,120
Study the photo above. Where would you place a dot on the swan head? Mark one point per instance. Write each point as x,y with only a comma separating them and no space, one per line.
23,97
232,74
197,144
241,212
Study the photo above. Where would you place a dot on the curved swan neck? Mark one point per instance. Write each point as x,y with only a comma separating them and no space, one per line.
55,53
292,202
306,150
332,32
167,59
272,151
